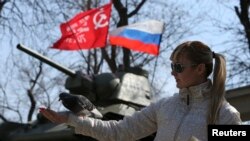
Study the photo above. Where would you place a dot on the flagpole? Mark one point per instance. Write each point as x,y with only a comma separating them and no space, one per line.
72,31
156,62
77,42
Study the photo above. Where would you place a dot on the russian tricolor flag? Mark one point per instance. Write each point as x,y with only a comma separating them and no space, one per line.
143,36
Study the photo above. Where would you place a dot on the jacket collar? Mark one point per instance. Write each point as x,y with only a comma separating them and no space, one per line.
197,92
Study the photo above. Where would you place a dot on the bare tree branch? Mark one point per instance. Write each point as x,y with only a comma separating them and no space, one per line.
243,16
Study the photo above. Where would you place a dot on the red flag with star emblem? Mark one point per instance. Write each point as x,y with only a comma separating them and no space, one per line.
86,30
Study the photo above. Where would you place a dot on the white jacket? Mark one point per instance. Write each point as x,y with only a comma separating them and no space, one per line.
173,118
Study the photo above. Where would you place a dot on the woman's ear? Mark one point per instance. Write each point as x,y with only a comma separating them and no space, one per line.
201,69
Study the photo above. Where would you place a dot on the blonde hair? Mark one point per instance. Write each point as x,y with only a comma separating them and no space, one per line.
199,53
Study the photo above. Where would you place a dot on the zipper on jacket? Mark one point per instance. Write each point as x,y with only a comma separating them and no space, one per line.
184,116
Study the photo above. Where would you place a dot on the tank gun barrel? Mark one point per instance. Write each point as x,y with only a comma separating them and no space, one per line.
46,60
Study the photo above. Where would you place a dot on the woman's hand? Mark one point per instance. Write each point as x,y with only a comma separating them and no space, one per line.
54,116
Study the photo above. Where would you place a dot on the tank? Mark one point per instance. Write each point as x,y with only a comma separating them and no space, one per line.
114,94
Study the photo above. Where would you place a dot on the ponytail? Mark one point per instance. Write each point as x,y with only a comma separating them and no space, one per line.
218,88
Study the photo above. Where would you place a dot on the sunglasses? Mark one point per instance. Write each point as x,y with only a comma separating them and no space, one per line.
179,68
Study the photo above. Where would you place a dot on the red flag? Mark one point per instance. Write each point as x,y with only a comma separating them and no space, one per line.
86,30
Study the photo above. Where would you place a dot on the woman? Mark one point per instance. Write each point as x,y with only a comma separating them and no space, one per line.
183,116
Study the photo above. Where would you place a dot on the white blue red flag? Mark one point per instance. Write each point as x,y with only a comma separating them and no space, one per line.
143,36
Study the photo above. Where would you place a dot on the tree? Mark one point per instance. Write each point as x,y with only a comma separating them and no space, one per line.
243,16
238,45
36,23
241,67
